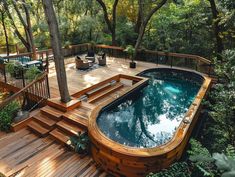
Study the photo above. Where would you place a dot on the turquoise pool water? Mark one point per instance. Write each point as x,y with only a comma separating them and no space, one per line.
149,117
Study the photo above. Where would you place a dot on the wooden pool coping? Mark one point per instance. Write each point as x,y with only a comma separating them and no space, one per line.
176,140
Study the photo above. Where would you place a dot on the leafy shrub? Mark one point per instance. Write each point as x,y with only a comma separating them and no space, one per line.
32,73
14,68
7,114
80,143
10,68
202,161
178,169
217,164
219,132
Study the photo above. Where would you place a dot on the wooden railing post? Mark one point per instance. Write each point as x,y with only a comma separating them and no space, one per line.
48,88
23,79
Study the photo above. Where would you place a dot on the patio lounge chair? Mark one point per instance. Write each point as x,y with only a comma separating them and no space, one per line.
102,60
80,64
90,56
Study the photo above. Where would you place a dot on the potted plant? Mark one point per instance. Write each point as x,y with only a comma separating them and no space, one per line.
80,143
130,50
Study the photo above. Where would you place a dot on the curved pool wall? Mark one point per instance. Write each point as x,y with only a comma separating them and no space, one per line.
137,158
149,117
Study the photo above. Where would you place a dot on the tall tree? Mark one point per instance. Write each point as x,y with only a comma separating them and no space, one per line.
217,28
26,24
144,21
12,21
2,12
111,23
57,49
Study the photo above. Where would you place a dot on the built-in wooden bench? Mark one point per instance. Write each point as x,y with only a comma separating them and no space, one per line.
99,89
105,93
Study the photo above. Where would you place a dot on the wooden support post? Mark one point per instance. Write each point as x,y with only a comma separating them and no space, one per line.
23,79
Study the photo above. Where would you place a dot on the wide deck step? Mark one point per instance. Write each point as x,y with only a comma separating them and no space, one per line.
38,129
105,93
44,120
52,113
70,128
60,136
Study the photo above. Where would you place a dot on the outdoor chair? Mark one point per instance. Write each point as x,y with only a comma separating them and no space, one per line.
90,56
102,60
80,64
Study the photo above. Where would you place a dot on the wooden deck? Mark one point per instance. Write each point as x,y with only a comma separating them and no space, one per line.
78,80
25,154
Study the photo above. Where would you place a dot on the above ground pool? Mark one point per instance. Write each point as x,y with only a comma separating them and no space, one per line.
150,116
148,126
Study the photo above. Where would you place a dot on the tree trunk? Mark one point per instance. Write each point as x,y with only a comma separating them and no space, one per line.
29,29
57,50
24,42
217,29
5,33
144,23
110,23
27,26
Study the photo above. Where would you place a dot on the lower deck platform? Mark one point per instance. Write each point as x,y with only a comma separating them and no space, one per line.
25,154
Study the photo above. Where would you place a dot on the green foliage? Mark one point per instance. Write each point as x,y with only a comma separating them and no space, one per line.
7,115
14,68
205,164
230,151
80,143
201,159
130,50
10,67
220,130
32,73
225,164
178,169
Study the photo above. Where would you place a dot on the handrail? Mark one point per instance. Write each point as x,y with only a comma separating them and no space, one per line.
171,54
20,92
18,55
75,49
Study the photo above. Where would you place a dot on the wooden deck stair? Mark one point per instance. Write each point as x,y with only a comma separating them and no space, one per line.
65,129
62,125
72,123
104,93
44,121
75,118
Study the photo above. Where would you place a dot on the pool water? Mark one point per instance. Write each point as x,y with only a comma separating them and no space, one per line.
149,117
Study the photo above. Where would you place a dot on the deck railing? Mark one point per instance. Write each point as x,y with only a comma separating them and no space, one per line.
31,96
165,58
189,61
